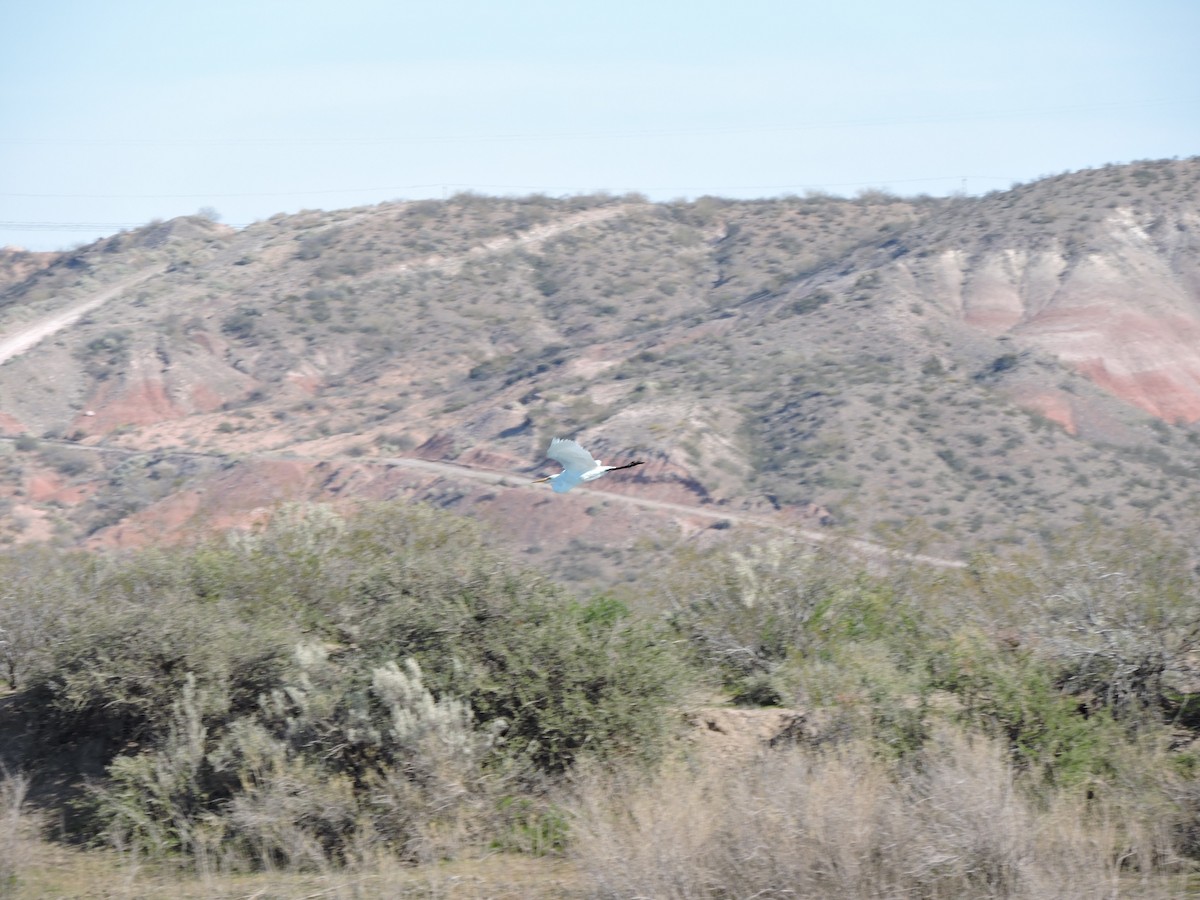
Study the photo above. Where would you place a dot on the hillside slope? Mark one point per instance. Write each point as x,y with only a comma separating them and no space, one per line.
994,366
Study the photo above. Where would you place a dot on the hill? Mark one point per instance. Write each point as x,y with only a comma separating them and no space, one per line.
995,366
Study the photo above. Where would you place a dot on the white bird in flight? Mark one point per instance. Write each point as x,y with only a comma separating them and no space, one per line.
578,466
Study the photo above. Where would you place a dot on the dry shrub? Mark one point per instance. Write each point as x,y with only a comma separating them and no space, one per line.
843,823
1111,613
297,817
327,774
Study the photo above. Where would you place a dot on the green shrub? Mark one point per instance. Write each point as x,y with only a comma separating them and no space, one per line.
334,685
326,681
758,614
1112,614
1013,695
567,678
128,633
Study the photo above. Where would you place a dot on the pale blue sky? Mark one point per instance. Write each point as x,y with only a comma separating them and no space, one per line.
116,112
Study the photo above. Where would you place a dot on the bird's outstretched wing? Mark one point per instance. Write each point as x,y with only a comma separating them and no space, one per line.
574,458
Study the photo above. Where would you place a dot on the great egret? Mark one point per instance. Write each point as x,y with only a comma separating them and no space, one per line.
578,466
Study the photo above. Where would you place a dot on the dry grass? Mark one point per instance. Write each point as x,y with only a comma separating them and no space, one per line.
788,823
843,824
54,871
18,830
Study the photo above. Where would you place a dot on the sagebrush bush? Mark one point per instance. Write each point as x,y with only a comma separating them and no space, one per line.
747,609
153,801
334,688
330,684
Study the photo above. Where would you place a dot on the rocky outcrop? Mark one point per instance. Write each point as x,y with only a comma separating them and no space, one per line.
1124,312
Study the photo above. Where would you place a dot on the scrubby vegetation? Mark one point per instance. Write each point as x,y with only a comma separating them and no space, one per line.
342,695
843,822
325,684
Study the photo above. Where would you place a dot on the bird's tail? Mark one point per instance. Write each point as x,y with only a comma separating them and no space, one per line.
639,462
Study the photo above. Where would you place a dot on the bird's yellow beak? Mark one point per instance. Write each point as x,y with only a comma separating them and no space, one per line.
542,480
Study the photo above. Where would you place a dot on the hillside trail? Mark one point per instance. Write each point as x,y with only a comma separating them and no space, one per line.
529,237
29,335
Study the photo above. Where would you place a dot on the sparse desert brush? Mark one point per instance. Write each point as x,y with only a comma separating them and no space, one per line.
339,688
889,657
954,822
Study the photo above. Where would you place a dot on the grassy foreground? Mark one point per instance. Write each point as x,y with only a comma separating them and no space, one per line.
376,704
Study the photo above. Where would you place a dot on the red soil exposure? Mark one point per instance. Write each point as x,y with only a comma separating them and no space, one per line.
45,488
135,400
1173,396
1124,314
11,425
247,494
1053,405
205,399
143,396
235,498
1150,361
168,521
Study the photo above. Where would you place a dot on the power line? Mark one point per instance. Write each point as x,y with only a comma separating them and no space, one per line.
865,122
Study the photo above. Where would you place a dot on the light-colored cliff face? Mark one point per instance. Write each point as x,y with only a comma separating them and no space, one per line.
1123,310
1128,315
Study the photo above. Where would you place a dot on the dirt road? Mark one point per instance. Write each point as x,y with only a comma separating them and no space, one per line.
717,514
530,237
29,335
